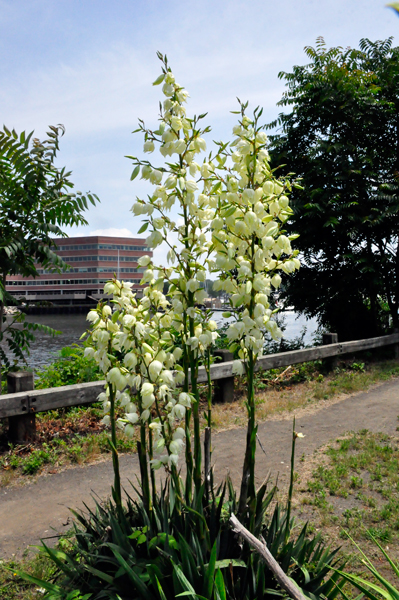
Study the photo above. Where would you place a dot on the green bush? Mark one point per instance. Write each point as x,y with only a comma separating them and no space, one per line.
174,549
69,368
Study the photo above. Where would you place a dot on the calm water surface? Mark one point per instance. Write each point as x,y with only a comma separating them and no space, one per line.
44,349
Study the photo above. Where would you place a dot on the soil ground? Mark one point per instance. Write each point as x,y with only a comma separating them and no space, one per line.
40,510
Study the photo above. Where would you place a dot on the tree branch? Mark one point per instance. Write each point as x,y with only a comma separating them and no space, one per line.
286,583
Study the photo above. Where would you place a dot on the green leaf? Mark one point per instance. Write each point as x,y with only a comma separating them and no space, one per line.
226,562
159,79
136,171
160,590
50,587
215,188
210,572
219,584
143,228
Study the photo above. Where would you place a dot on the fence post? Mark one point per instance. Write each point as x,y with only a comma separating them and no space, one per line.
396,346
223,388
22,428
330,363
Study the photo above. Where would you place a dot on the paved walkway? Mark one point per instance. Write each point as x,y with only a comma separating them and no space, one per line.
37,510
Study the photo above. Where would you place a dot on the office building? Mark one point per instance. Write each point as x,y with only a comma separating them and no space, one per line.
92,261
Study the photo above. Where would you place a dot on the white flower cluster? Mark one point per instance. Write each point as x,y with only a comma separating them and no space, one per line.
232,226
179,186
250,247
134,347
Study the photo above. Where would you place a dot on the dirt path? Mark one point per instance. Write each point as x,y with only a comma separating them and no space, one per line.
40,509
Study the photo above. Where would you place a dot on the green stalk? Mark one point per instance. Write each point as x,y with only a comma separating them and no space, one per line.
248,491
291,488
208,430
189,453
115,459
152,472
209,394
196,418
142,452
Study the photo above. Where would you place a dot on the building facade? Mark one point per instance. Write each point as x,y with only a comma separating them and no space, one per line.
91,261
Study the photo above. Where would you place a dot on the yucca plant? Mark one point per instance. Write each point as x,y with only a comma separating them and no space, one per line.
370,589
177,549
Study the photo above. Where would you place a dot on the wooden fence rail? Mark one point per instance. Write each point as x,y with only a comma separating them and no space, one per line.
19,405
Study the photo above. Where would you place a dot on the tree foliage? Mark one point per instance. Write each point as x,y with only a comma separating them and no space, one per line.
36,202
342,138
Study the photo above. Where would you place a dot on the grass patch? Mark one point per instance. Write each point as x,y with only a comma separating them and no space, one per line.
13,587
354,487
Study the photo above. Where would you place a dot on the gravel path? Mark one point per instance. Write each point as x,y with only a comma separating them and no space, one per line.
40,509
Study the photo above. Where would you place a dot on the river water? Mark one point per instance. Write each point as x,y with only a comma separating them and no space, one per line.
44,350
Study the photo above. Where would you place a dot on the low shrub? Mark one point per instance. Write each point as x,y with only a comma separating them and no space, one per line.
174,549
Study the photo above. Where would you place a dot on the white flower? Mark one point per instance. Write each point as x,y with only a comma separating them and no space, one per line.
129,430
238,367
149,146
147,389
110,288
167,378
92,316
276,280
89,352
184,399
130,360
144,261
138,208
107,311
175,446
155,176
177,353
156,427
192,285
179,411
191,185
145,415
179,434
154,239
179,147
154,369
115,377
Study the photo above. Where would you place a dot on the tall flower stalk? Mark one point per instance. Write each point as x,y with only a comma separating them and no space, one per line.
225,216
250,252
177,190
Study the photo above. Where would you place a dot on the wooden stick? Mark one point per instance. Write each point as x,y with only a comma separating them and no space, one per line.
286,583
281,375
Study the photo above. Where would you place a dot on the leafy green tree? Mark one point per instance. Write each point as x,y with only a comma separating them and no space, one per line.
342,137
36,202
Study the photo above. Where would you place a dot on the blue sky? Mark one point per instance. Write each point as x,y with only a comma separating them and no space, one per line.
89,65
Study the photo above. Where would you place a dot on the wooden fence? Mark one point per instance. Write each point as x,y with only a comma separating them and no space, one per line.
23,402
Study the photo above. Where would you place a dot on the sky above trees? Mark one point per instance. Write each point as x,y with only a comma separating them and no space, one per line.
89,65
